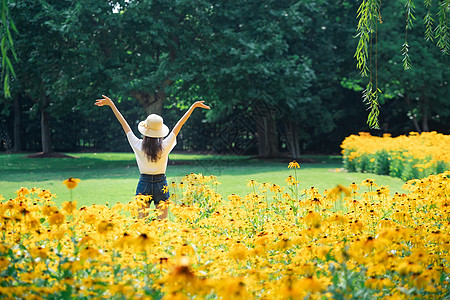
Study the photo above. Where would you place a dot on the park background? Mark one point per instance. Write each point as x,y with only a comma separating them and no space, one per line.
283,82
281,77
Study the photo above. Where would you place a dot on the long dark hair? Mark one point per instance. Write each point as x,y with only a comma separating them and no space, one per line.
152,148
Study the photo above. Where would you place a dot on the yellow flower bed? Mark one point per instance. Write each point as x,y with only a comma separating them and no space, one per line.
274,243
406,157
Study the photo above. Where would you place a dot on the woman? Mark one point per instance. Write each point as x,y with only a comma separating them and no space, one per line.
152,151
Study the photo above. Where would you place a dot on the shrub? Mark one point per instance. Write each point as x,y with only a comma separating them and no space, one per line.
406,157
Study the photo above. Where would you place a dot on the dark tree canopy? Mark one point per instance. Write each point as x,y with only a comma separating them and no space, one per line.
279,75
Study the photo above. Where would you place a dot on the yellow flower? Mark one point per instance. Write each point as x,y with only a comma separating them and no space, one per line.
293,165
56,218
164,204
4,262
378,284
251,183
402,241
125,241
313,219
165,189
142,200
69,207
312,284
354,187
38,252
264,187
290,180
32,223
182,273
88,253
23,192
104,226
286,196
86,240
368,183
143,242
48,210
238,252
339,189
46,195
71,183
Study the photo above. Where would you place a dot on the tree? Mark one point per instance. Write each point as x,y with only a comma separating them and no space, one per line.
232,54
369,16
43,60
424,88
7,47
245,62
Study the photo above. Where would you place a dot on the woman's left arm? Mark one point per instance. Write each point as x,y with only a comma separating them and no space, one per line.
176,129
107,101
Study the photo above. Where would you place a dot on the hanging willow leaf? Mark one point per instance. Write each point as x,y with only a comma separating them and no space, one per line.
442,34
428,21
368,15
410,8
6,47
370,97
406,59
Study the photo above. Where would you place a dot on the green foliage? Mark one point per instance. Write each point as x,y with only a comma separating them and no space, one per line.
368,17
442,29
243,58
7,47
370,97
418,91
392,163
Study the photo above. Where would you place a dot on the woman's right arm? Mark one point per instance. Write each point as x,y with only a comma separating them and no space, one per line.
107,101
176,129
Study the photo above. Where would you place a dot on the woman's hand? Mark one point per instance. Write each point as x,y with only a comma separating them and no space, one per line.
201,105
108,102
105,101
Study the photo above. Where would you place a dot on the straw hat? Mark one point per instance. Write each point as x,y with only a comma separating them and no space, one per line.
153,127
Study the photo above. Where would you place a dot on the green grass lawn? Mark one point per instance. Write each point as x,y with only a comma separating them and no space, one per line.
112,177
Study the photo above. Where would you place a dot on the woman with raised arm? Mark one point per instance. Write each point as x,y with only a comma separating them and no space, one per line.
152,151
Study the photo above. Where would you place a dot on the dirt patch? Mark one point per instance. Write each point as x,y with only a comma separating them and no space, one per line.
49,155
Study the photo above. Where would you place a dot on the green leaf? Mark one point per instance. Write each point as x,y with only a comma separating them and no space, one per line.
10,66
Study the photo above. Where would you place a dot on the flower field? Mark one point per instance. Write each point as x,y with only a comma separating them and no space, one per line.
276,242
405,157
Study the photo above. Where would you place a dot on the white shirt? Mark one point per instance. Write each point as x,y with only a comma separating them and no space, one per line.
145,165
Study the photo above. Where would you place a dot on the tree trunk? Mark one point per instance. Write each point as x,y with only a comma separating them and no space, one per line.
17,122
152,102
292,138
45,131
268,137
261,134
